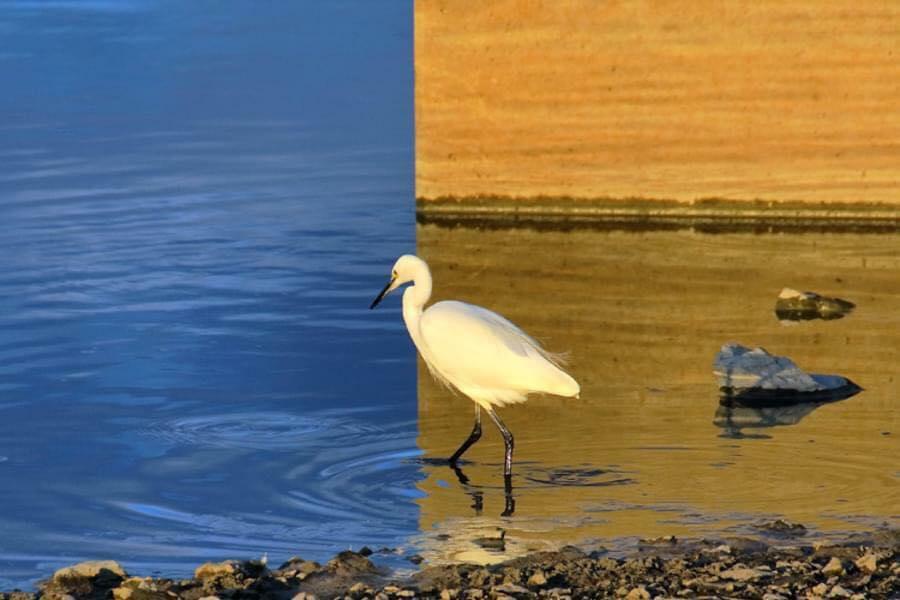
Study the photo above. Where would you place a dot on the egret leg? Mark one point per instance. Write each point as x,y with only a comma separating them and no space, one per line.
510,507
508,442
473,437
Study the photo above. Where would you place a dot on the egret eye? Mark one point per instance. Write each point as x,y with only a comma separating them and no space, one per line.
394,274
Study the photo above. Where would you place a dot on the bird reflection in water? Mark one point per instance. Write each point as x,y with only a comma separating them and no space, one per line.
478,496
536,476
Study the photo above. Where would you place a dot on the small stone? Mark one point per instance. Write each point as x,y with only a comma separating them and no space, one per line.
212,570
638,593
867,563
743,574
447,594
350,564
838,592
820,589
304,596
365,551
84,580
359,589
91,569
537,579
415,559
666,540
834,567
511,589
782,527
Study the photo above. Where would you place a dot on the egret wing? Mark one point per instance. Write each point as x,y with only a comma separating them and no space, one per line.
472,347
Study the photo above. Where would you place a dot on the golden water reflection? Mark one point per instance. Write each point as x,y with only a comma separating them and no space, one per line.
647,450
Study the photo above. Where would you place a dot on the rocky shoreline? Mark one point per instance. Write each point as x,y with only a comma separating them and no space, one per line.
863,566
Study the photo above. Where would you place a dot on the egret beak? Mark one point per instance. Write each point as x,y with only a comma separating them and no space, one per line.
383,293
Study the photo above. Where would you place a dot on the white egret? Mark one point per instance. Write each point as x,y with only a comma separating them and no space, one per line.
475,351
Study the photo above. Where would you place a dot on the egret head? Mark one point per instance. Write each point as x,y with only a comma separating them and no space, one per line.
406,269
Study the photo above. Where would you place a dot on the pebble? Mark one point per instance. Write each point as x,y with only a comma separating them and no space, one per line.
867,563
210,570
91,569
510,588
834,567
838,592
537,579
638,593
359,589
743,574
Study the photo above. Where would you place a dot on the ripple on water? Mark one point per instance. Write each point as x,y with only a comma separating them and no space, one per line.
576,476
264,430
338,468
347,467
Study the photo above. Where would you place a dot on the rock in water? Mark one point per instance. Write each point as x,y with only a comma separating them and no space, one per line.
793,305
757,376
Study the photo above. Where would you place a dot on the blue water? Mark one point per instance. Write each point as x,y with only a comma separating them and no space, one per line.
198,201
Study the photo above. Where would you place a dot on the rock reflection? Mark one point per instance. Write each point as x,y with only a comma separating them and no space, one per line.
736,413
735,419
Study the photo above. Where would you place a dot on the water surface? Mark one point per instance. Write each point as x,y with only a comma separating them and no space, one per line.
198,202
647,450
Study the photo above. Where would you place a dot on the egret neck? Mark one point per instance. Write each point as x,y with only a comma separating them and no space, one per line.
414,299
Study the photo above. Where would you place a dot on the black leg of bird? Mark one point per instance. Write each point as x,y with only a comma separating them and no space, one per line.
473,437
510,507
507,441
